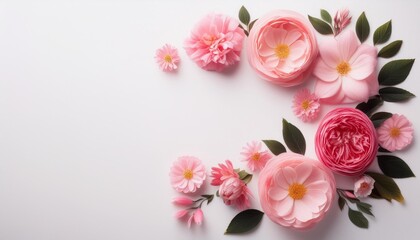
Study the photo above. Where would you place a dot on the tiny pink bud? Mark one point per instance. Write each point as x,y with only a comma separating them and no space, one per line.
349,194
182,201
341,20
181,213
198,216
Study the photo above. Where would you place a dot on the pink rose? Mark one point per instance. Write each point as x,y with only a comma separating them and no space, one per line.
364,186
215,42
296,191
346,141
282,47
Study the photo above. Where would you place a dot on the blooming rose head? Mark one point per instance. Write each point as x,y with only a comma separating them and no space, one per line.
281,47
234,191
364,186
215,42
296,191
346,141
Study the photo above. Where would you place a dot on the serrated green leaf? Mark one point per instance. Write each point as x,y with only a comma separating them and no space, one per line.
275,147
362,27
382,33
358,219
244,16
325,15
371,105
391,49
394,94
394,167
244,221
386,187
293,138
395,72
252,24
379,117
365,208
341,202
321,26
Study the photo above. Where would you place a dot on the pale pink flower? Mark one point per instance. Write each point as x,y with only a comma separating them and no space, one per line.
187,174
306,105
167,57
296,191
234,192
345,70
254,156
363,187
341,20
181,213
198,216
182,201
395,133
224,171
215,42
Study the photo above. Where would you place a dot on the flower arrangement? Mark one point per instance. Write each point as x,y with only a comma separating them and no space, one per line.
296,191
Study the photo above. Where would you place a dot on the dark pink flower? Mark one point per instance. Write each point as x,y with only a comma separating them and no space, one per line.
224,171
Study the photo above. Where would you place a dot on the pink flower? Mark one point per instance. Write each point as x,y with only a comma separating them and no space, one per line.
215,42
346,141
306,105
167,57
234,191
363,187
349,194
395,133
296,191
341,20
221,173
345,70
281,48
198,216
253,155
187,174
181,213
182,201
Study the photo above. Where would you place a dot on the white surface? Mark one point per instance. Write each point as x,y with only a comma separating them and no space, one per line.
89,125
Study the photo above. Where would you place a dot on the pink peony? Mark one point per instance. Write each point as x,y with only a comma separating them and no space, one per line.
281,47
187,174
296,191
345,70
234,191
364,186
253,155
167,57
395,133
341,20
219,174
215,42
306,105
346,141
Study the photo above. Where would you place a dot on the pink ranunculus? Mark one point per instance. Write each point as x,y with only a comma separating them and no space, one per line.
215,42
345,70
234,191
224,171
346,141
364,186
187,174
395,133
296,191
282,47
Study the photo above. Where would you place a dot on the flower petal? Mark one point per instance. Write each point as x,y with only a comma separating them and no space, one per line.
356,90
329,53
285,207
291,37
347,44
324,72
277,193
327,89
303,171
302,212
362,67
297,50
289,174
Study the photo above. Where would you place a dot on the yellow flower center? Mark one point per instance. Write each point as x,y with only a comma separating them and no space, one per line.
188,174
167,58
282,51
297,191
394,132
343,68
256,156
305,104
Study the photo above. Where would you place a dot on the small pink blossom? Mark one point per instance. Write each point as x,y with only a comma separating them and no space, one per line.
234,191
349,194
181,213
395,133
167,57
182,201
187,174
341,20
306,105
254,156
224,171
363,187
198,216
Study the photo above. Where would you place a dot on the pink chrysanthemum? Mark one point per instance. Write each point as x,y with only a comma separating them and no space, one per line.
187,174
221,173
306,105
167,57
255,158
395,133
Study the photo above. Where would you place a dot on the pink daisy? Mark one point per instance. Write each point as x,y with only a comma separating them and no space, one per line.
255,158
306,105
187,174
167,57
395,133
221,173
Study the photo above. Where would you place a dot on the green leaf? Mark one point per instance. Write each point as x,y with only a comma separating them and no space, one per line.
244,176
379,117
244,16
326,16
365,208
386,187
217,193
391,49
251,24
371,105
293,138
275,147
245,31
362,27
394,94
358,219
381,149
382,33
375,194
321,26
210,199
341,202
244,221
394,167
395,72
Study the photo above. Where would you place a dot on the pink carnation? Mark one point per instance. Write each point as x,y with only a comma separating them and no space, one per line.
395,133
234,191
215,42
221,173
296,191
254,156
167,57
187,174
346,141
281,47
306,105
364,186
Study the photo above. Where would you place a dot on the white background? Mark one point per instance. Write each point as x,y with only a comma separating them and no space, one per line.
89,126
